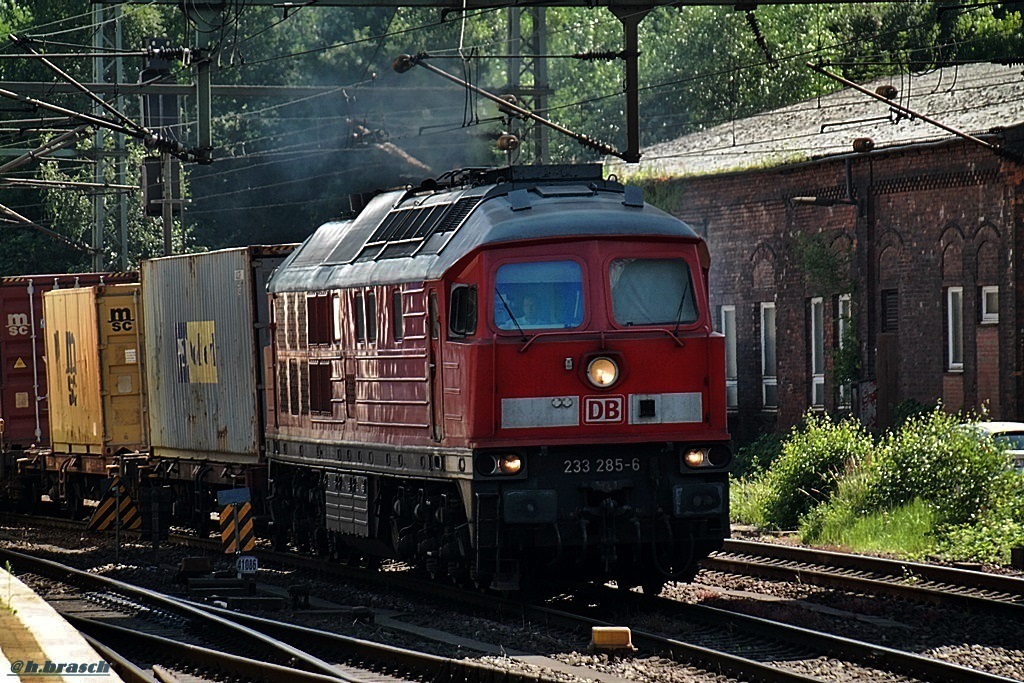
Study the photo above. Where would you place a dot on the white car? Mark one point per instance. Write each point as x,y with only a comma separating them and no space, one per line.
1009,435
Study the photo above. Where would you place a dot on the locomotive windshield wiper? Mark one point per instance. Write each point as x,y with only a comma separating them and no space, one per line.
682,303
511,315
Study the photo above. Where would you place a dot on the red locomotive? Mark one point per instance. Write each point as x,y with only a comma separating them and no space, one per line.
499,376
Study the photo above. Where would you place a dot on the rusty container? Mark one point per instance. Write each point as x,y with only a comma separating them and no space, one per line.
207,318
23,391
95,369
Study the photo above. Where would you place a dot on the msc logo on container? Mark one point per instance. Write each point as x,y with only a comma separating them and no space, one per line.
17,324
121,319
603,409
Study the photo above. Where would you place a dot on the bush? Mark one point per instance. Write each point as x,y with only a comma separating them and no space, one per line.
935,458
934,484
997,528
813,460
757,456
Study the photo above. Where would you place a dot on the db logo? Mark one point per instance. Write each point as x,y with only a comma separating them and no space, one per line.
603,409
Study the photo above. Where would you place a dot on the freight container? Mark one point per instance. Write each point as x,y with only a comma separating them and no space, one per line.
207,320
96,369
23,392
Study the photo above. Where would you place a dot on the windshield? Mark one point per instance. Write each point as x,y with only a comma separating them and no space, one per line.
538,295
652,292
1011,441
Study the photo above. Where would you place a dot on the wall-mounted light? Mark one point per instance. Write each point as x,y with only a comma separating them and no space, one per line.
823,201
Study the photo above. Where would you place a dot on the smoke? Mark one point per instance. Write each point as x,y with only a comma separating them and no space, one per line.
292,167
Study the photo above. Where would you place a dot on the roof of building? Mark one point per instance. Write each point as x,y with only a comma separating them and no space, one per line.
975,98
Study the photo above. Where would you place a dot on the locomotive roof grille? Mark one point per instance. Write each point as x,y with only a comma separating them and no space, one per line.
405,232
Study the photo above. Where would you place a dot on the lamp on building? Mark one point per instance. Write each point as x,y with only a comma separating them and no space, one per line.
823,201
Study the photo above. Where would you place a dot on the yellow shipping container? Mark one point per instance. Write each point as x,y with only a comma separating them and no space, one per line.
95,370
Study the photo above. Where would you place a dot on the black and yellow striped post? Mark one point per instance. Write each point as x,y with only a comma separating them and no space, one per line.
116,504
236,528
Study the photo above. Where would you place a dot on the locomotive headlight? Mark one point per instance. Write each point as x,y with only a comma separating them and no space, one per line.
602,372
694,457
510,464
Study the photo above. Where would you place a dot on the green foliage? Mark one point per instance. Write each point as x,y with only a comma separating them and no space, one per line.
998,527
906,527
827,271
814,459
934,458
846,356
908,409
757,456
284,165
931,485
747,499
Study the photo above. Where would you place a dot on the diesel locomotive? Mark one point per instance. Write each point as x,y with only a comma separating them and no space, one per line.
504,376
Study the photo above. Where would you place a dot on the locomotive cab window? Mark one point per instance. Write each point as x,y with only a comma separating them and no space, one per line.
538,295
652,292
462,311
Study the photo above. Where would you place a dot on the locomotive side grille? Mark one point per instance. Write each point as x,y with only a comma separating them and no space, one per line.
406,232
458,213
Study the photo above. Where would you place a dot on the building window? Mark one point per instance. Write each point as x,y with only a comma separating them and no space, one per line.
397,316
817,337
844,329
769,377
989,305
955,328
890,310
731,372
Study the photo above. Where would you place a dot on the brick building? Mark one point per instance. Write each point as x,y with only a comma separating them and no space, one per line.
860,282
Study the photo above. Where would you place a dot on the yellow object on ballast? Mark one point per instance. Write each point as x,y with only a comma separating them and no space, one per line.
611,638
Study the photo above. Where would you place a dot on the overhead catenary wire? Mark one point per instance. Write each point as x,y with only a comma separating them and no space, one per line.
654,86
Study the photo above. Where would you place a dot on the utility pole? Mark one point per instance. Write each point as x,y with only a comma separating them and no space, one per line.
167,203
528,70
107,37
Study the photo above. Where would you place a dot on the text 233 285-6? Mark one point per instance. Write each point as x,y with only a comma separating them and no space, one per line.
601,465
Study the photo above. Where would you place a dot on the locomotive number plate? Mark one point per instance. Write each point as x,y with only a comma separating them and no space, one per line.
600,465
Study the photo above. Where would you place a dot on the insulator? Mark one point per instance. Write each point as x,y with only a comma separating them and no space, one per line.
508,143
889,92
863,145
511,99
403,63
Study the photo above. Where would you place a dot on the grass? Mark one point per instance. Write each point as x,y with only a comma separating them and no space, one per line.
906,531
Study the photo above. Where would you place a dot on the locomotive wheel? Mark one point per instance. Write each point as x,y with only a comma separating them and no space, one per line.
74,501
653,585
279,533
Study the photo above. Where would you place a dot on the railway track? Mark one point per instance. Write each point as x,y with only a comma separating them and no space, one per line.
932,584
717,641
156,627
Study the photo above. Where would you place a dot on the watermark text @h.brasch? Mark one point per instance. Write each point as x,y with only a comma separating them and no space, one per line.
30,667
